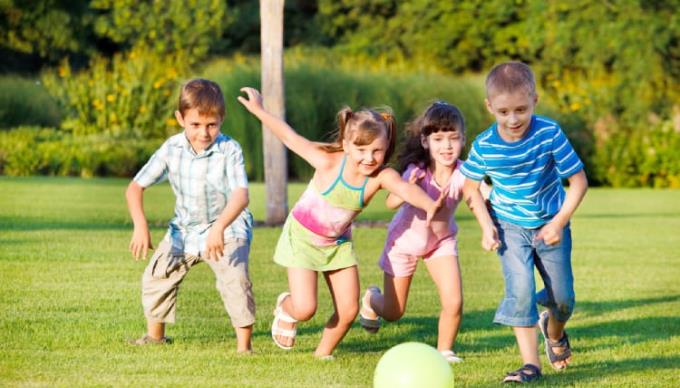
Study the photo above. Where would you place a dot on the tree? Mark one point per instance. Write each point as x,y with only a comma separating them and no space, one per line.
275,166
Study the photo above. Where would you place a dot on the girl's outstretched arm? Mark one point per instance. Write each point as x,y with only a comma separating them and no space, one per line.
309,151
411,193
393,201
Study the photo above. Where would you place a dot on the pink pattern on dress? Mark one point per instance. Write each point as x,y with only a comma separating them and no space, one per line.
328,223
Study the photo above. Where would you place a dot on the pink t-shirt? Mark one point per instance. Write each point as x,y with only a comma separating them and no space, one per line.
408,229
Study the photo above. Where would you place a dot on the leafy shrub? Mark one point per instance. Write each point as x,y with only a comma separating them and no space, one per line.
26,102
132,95
314,94
648,158
46,151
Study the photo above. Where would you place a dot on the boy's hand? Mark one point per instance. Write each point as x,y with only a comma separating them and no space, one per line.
140,243
550,233
490,241
254,100
215,243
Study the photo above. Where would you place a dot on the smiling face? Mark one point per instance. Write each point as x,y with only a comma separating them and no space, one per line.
366,158
201,130
513,111
444,147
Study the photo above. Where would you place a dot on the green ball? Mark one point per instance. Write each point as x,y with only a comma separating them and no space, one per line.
412,364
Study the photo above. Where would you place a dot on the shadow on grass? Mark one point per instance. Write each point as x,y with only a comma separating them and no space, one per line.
595,371
488,337
588,309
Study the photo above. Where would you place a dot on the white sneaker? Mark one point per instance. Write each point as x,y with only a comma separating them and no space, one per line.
451,357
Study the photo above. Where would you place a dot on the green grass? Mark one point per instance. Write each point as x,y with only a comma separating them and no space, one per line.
69,297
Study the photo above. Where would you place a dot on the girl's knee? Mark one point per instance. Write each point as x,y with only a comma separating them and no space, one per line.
303,312
393,314
452,307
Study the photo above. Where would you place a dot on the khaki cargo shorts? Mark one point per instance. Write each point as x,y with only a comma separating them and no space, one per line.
165,272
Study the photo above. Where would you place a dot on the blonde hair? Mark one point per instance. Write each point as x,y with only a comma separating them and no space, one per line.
363,127
203,95
509,77
440,116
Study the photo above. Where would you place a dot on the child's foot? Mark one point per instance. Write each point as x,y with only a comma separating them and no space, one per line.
451,357
526,374
368,319
148,340
558,351
283,326
326,357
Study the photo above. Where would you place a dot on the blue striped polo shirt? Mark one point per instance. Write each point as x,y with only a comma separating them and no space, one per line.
526,174
202,184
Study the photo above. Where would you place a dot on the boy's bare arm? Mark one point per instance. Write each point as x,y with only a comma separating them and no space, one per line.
551,233
215,243
141,238
475,201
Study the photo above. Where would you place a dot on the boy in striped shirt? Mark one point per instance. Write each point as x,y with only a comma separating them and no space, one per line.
212,224
527,157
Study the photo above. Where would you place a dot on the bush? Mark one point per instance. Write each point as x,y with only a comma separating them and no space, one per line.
648,158
26,102
315,94
132,95
45,151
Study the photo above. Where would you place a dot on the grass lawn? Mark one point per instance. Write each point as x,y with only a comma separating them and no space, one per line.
69,297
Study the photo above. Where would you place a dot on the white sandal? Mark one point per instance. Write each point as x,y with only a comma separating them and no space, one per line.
371,325
280,315
451,357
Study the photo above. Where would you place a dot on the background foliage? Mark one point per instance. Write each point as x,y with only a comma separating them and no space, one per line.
608,71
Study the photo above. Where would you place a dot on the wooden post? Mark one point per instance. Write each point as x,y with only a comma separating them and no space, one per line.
275,165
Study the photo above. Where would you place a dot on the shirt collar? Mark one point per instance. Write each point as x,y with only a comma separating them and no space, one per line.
186,144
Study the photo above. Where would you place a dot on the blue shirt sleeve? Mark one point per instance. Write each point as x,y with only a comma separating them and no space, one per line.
567,161
474,167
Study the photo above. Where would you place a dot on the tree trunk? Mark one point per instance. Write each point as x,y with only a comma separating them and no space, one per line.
275,165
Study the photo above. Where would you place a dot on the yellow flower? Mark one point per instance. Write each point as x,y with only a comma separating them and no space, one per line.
170,122
575,106
64,71
158,84
142,109
110,98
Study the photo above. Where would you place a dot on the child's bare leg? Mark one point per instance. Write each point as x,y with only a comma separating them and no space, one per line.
391,304
155,330
445,273
301,304
344,287
527,340
555,332
243,336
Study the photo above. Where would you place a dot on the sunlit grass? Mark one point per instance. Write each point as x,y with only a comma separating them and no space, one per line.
69,297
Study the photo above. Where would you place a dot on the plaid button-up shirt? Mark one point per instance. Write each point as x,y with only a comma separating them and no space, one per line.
202,184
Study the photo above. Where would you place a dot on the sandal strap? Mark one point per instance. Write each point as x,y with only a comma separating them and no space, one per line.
527,373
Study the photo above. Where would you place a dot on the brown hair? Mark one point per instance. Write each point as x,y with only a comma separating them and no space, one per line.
363,127
203,95
440,116
509,77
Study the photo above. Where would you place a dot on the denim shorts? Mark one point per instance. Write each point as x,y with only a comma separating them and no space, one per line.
519,254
